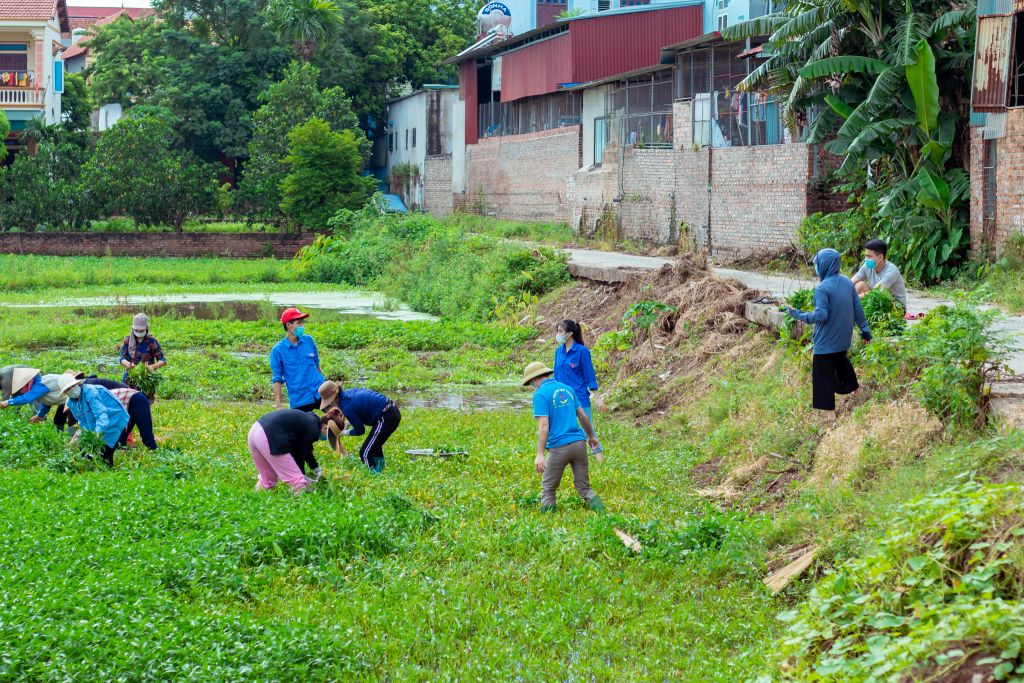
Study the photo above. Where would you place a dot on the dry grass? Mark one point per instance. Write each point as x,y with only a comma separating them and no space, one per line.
877,438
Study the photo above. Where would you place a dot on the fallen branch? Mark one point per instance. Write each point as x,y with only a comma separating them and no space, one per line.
793,462
781,578
628,540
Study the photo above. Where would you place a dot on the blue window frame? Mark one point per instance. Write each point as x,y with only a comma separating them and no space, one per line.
58,75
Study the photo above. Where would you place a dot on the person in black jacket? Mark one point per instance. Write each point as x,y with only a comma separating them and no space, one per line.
280,440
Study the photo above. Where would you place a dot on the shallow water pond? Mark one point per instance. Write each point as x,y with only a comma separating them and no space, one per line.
245,307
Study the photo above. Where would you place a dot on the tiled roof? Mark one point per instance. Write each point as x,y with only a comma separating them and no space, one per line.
80,47
35,9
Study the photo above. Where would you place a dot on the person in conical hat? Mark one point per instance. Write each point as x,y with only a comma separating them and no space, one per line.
28,386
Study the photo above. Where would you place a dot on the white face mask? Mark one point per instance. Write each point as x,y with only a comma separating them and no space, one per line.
74,393
138,334
560,338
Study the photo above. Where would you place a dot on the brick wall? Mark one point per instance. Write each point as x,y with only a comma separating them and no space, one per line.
527,177
1009,189
595,214
647,209
186,245
437,185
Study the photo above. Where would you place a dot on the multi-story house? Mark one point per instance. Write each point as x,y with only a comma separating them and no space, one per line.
31,67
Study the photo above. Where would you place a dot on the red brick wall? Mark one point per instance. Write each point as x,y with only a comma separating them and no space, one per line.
1009,183
161,244
525,177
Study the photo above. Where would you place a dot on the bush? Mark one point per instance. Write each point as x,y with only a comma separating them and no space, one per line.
325,174
845,232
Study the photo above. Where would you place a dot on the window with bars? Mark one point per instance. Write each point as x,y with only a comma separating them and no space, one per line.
414,138
604,5
530,114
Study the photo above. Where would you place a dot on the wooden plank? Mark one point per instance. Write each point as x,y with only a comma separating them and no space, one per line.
781,578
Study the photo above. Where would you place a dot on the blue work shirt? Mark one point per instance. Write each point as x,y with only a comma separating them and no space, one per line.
558,403
574,369
836,307
361,407
98,410
297,367
36,391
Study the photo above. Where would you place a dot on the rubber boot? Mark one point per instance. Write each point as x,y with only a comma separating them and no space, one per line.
378,467
549,508
596,505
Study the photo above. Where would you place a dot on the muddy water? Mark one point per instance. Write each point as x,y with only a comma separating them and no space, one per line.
476,398
245,307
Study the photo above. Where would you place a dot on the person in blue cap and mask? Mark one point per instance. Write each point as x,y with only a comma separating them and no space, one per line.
836,308
295,363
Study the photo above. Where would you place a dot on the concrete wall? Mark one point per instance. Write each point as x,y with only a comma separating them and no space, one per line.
593,107
437,185
162,244
524,177
1009,189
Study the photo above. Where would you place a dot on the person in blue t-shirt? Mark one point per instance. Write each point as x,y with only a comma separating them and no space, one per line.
573,366
559,416
295,363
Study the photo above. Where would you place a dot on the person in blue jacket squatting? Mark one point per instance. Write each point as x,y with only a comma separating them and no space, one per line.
295,363
573,366
97,410
367,413
836,307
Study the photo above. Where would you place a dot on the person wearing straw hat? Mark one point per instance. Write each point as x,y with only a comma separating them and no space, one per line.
368,413
140,346
135,402
42,390
26,387
559,417
97,410
279,441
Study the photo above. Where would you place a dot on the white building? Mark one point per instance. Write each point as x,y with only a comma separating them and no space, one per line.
419,124
31,68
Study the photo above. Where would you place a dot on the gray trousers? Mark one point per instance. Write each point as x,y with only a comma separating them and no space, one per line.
572,455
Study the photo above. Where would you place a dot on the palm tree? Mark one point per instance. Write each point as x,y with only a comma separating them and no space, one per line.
37,131
307,24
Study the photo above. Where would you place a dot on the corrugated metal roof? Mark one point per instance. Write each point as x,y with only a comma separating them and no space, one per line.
512,43
616,77
395,203
692,42
536,70
607,45
992,63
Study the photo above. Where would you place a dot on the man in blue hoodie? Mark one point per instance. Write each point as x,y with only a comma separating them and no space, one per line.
836,308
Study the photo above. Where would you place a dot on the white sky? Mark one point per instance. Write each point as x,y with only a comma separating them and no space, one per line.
108,3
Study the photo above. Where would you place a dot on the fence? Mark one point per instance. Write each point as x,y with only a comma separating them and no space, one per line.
530,114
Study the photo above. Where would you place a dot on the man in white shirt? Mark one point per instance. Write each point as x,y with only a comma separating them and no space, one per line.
879,271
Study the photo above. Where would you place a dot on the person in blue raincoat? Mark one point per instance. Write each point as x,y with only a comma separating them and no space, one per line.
836,308
97,410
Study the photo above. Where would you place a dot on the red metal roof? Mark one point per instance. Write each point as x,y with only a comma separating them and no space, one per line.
537,68
605,46
992,63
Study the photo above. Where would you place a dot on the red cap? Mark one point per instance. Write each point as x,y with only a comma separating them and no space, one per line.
291,314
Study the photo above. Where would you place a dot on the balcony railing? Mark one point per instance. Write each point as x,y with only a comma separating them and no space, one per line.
17,96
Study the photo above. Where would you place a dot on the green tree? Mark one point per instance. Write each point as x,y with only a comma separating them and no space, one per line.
286,105
45,189
325,174
75,109
129,62
37,130
136,173
307,24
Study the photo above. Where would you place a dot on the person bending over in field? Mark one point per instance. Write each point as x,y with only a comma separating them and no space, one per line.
97,410
559,416
836,308
368,413
279,441
135,402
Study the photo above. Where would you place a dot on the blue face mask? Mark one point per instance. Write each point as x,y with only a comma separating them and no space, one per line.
816,271
870,263
300,330
323,437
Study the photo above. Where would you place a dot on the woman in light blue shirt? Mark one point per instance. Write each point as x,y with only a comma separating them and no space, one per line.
96,410
573,366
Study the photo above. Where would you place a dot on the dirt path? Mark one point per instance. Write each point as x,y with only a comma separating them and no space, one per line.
601,263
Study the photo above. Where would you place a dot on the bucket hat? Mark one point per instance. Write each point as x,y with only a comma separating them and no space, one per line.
67,381
535,370
328,394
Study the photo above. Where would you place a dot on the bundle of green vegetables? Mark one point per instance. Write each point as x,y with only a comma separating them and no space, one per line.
144,380
885,316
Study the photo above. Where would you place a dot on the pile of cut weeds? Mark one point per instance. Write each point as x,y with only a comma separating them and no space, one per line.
668,361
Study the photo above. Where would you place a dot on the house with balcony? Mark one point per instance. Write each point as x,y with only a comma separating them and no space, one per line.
31,64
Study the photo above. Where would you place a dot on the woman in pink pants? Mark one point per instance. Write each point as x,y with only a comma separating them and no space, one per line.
279,439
